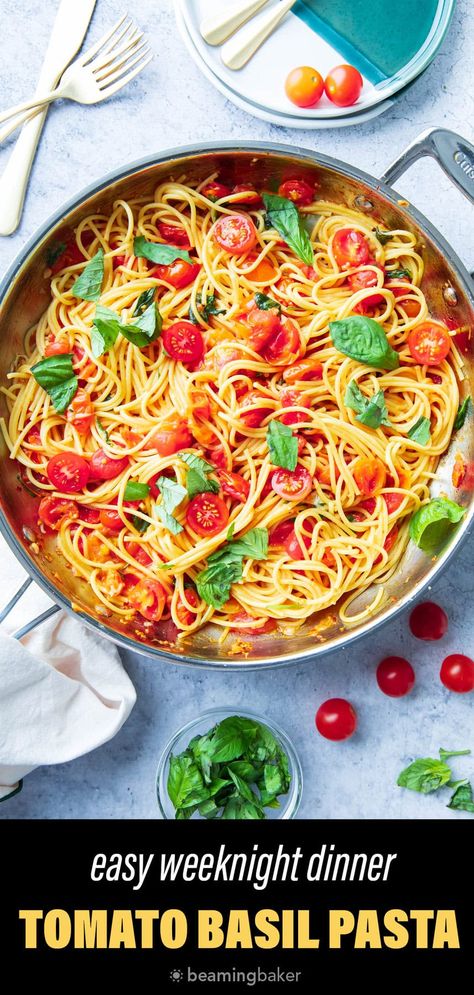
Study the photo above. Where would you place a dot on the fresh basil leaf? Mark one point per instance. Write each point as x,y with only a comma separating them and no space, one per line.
171,496
462,413
183,778
265,303
158,253
445,754
424,775
139,524
102,431
462,799
88,285
105,329
254,545
285,218
196,462
239,808
243,788
143,302
197,483
421,431
398,274
54,252
364,339
145,329
369,411
273,779
214,583
135,491
432,524
56,376
383,236
230,531
282,445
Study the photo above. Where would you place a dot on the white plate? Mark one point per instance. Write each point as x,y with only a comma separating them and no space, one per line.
265,73
272,117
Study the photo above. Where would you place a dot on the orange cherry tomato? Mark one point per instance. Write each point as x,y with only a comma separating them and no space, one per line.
183,612
148,597
207,514
343,85
264,272
179,273
429,343
174,235
304,86
292,485
111,582
285,347
236,233
291,398
233,484
369,474
299,191
57,345
201,407
350,248
305,369
172,435
80,412
254,417
53,511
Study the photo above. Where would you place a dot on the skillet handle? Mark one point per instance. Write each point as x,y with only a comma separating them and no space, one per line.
454,154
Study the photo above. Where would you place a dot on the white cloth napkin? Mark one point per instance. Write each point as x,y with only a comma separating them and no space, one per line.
63,689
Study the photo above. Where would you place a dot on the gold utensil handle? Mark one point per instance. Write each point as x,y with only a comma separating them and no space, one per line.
237,52
217,28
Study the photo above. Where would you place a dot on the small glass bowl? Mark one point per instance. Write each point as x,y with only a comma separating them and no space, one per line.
289,803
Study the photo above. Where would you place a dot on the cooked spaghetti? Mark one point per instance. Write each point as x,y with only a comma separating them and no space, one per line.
245,344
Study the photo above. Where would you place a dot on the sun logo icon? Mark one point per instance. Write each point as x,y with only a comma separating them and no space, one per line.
176,975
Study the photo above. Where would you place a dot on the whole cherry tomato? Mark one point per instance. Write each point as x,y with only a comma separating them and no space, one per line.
343,85
336,719
304,86
395,676
428,621
457,673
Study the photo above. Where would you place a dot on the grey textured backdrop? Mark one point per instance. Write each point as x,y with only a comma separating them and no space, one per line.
173,104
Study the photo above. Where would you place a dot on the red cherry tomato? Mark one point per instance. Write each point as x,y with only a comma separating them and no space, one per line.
289,399
174,234
248,195
179,273
149,598
304,86
57,345
254,417
305,369
236,233
369,474
233,484
184,614
363,280
240,618
52,511
139,553
429,343
80,412
87,513
68,472
83,366
293,485
299,191
172,435
184,342
215,190
279,533
217,455
103,467
343,85
285,347
428,621
207,514
350,248
457,673
264,325
336,719
395,676
293,547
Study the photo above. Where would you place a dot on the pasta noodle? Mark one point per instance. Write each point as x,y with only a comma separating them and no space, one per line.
341,538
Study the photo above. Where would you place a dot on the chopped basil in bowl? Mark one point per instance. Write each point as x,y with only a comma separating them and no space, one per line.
229,764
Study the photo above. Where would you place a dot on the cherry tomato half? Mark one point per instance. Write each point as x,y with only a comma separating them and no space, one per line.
254,417
264,325
336,719
292,545
236,233
279,533
299,191
343,85
429,343
80,412
68,472
285,347
57,345
305,369
207,514
233,484
179,274
183,612
149,598
350,248
174,234
52,511
103,467
184,342
304,86
363,280
292,485
289,399
369,474
395,676
172,435
457,673
428,621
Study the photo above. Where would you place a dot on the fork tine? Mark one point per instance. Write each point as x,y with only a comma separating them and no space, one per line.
119,66
107,58
107,91
112,39
102,41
